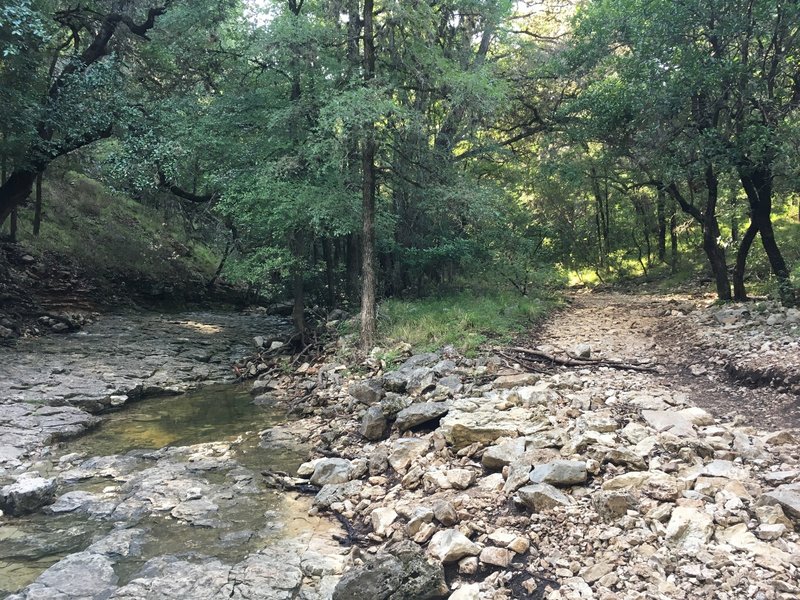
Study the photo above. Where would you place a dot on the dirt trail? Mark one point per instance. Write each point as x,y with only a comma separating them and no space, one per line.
673,331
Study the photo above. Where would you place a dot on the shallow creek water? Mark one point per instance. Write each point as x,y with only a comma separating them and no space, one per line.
210,435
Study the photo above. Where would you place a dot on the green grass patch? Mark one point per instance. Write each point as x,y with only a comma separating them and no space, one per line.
466,321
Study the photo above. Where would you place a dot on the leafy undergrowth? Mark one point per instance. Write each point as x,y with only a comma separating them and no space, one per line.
466,321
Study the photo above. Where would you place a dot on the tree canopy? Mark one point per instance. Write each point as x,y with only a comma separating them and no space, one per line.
360,149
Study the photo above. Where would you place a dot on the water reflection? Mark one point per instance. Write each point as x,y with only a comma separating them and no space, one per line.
208,415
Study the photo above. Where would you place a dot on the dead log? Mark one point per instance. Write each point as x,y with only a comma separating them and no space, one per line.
565,359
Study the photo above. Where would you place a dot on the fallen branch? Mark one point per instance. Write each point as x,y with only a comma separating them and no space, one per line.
569,360
286,483
528,364
353,537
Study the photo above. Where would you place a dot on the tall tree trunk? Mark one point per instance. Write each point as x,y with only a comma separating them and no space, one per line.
673,241
37,214
661,215
711,235
757,183
330,275
296,244
368,278
368,191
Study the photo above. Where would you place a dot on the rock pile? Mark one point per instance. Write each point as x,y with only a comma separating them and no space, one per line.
556,486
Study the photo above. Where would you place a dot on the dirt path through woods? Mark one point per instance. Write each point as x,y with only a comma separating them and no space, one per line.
687,343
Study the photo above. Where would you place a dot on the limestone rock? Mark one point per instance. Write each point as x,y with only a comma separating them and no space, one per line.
471,591
597,571
393,403
409,379
503,454
336,492
541,497
28,493
451,545
373,424
419,517
445,513
382,518
669,420
498,557
689,528
368,391
563,473
76,577
405,450
400,573
518,380
582,351
625,457
473,420
613,505
331,471
786,496
419,414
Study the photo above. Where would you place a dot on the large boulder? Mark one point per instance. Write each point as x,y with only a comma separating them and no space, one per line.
471,420
401,573
413,380
373,423
368,391
76,577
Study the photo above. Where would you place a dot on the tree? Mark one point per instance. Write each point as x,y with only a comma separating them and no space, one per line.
78,60
691,102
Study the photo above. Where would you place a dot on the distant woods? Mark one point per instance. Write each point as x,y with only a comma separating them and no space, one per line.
362,149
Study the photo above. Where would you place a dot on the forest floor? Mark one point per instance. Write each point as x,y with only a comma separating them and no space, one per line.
741,359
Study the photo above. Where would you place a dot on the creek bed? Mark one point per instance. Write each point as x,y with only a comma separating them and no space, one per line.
180,472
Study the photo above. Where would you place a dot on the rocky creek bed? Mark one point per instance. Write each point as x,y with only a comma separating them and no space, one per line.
163,499
473,479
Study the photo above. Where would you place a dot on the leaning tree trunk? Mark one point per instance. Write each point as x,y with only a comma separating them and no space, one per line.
739,291
757,183
708,221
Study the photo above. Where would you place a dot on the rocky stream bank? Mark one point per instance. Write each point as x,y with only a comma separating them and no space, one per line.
460,478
